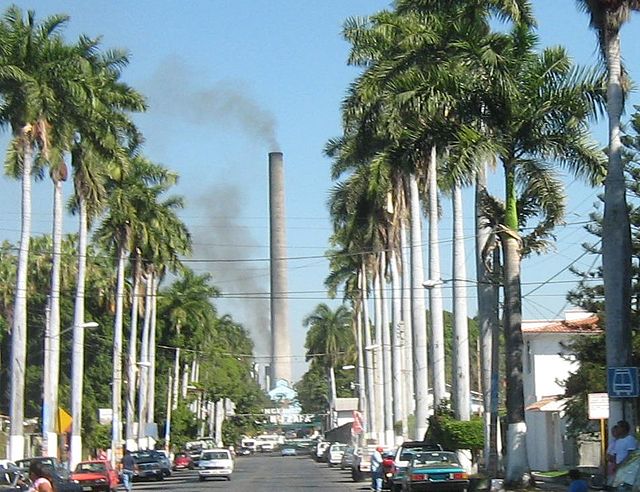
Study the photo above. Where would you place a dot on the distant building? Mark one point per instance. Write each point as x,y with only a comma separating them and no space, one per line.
284,397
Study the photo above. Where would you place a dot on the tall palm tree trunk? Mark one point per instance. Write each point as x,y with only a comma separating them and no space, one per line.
435,290
151,387
52,356
487,294
397,385
360,368
144,364
77,362
517,460
333,396
418,322
387,376
462,402
378,363
19,328
616,236
176,373
407,341
132,368
368,355
116,401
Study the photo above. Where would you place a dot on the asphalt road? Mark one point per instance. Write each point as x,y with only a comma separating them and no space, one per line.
264,473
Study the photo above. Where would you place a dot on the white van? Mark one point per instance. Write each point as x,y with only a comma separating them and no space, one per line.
249,443
215,463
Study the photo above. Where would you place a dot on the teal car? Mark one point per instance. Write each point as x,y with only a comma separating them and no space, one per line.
435,471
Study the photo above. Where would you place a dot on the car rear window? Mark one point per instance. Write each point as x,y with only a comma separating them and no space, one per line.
215,455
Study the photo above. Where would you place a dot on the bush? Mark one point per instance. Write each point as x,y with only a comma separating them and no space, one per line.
456,434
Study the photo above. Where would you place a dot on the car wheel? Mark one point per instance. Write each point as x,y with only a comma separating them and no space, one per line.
228,478
201,479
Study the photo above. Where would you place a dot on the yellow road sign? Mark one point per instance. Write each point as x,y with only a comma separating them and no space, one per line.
64,421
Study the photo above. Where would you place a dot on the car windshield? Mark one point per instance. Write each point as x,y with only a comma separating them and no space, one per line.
434,458
215,455
91,467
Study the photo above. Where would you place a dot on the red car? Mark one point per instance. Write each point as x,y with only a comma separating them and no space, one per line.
182,461
96,476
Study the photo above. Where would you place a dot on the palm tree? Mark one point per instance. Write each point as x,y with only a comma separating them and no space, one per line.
607,18
129,193
167,240
186,307
436,316
550,103
328,340
34,95
97,150
487,294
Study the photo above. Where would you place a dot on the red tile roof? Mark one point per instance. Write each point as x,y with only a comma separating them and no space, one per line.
585,325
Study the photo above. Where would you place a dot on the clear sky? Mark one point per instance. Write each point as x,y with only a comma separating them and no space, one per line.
229,81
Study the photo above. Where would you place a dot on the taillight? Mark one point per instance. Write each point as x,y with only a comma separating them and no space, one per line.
417,476
459,476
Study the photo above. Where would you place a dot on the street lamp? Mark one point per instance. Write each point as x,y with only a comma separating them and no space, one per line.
77,373
431,283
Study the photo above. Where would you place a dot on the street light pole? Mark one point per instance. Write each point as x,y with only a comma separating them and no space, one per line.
77,372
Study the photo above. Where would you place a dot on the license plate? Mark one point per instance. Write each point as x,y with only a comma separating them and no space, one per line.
87,488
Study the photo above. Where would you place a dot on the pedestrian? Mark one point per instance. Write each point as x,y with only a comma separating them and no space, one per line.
376,469
577,483
625,443
611,453
40,478
128,467
102,455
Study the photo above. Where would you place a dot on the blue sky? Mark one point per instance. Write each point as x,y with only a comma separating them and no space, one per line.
229,81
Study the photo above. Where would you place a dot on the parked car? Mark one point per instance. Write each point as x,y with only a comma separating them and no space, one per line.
288,451
12,480
152,454
182,461
195,452
403,456
215,463
59,473
266,447
165,462
334,453
321,447
148,466
435,471
347,457
96,476
242,451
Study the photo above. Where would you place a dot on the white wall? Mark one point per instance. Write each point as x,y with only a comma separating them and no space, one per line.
544,369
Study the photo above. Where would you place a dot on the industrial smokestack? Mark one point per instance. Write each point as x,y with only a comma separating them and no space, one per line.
280,345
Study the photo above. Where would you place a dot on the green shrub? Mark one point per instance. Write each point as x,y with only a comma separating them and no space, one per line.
456,434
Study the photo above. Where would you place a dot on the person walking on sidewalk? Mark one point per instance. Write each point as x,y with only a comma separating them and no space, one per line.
376,469
128,465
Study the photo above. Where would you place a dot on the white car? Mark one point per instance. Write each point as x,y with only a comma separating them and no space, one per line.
215,463
334,456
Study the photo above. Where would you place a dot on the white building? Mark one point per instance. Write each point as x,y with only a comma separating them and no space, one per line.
546,366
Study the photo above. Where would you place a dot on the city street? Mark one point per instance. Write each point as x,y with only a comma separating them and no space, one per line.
264,473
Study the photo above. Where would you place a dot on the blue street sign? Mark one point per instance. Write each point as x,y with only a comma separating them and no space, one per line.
623,382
